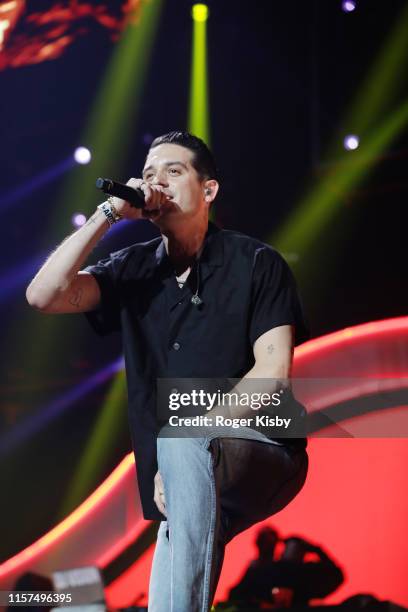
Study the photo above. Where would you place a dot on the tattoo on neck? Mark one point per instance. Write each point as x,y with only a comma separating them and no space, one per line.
270,348
75,298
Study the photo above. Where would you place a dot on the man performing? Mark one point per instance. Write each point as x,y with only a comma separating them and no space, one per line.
198,302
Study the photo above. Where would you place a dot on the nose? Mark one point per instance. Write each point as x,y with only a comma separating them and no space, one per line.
160,178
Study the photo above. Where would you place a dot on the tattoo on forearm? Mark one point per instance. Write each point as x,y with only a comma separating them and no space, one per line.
270,348
91,220
75,298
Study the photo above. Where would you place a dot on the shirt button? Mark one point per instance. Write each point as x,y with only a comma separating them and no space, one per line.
176,346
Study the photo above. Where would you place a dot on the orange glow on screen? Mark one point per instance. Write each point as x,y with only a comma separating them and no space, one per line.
9,15
33,37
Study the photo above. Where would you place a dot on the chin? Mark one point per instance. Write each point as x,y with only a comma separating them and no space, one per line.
166,221
171,213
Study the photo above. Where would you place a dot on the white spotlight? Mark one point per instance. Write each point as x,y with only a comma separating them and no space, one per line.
348,6
82,155
351,142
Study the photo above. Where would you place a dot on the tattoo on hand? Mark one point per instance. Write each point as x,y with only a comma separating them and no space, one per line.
75,298
270,348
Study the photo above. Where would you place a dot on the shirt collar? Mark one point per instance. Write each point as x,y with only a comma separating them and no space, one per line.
212,253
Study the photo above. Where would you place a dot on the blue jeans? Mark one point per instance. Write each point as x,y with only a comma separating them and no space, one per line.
214,489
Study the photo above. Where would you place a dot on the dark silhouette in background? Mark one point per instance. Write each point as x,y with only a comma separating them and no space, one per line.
291,580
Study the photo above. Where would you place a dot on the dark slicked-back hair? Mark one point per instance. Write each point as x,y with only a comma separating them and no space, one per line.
203,160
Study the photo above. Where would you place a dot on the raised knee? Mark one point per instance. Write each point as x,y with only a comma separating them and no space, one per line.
175,448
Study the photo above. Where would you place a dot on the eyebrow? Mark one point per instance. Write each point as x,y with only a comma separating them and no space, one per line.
167,164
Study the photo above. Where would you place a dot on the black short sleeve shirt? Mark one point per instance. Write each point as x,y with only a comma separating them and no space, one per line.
245,288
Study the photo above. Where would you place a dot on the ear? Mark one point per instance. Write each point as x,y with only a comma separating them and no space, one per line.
211,187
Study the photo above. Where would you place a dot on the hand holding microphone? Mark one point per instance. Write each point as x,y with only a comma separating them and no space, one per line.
135,200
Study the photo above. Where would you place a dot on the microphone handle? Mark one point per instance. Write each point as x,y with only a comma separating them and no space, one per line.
135,197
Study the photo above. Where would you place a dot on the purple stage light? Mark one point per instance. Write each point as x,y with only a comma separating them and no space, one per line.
351,142
26,189
78,219
348,6
82,155
36,422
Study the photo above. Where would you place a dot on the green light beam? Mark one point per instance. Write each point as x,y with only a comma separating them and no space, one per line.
109,425
321,204
198,114
382,81
310,218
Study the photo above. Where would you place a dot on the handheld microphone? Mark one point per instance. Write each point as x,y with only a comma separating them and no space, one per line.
134,196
